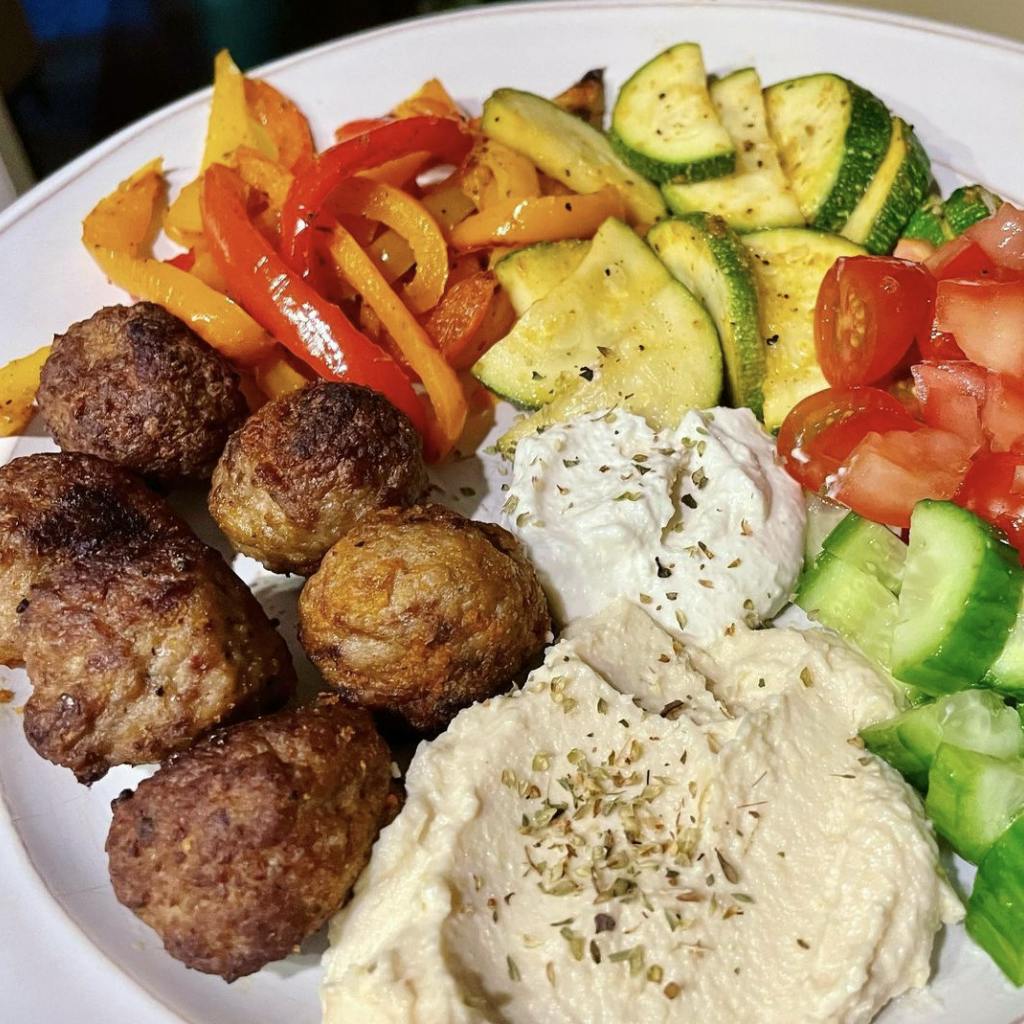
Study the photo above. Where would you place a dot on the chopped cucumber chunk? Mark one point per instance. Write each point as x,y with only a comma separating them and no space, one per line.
664,124
823,516
928,222
1006,673
995,914
973,798
959,599
973,719
969,204
870,547
851,602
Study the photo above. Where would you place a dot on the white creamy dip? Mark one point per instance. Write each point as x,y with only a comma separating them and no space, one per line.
566,856
698,524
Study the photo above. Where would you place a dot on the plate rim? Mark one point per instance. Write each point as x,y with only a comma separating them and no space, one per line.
44,190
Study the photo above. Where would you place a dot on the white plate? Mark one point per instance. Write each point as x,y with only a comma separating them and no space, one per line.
70,952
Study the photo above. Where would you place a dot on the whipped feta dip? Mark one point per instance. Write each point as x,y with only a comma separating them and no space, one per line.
698,524
567,857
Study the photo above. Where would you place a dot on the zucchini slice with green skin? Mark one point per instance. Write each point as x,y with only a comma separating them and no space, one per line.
959,600
851,602
928,222
789,264
973,798
708,257
1006,673
966,206
895,192
620,307
663,122
832,135
528,274
569,150
757,194
973,719
995,913
870,547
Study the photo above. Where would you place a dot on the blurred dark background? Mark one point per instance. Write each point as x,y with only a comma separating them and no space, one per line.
74,71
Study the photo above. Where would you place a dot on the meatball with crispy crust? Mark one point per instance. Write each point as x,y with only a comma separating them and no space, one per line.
421,611
63,506
137,386
306,466
236,850
134,652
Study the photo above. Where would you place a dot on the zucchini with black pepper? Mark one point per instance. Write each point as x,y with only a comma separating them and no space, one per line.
528,274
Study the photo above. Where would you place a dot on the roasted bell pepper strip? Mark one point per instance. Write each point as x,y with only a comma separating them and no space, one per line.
308,325
542,219
454,323
231,123
117,233
494,173
430,98
440,136
282,120
439,379
350,129
19,382
402,213
400,171
277,376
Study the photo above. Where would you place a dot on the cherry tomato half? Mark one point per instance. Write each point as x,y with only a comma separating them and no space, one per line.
821,431
870,310
994,489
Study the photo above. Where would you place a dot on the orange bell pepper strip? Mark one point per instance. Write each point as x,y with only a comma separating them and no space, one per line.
439,379
313,329
19,382
117,234
442,137
402,213
430,98
400,172
358,126
454,323
541,219
285,125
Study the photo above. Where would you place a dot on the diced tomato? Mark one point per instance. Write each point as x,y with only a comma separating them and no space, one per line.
1002,415
987,320
887,474
994,489
821,431
917,250
870,310
952,396
939,347
1002,237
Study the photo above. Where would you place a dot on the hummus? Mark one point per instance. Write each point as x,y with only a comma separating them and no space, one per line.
698,524
567,854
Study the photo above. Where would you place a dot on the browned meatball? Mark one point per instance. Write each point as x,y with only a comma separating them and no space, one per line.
305,467
136,386
421,611
236,850
58,507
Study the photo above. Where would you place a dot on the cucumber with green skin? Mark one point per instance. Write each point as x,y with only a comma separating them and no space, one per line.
620,318
969,204
823,516
895,192
664,124
756,195
789,265
528,274
961,590
569,150
976,720
1006,673
973,798
870,547
708,257
832,136
995,913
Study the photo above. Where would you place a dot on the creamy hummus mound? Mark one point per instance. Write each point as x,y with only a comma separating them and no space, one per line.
649,832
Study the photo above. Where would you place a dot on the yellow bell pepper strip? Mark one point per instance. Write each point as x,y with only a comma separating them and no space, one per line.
310,327
400,172
19,382
285,125
183,222
442,137
231,123
439,379
494,173
541,219
279,376
430,98
406,215
117,233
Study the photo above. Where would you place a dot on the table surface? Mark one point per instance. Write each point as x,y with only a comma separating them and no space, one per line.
1003,17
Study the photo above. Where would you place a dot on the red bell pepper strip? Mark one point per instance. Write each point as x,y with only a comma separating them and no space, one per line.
442,137
304,322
